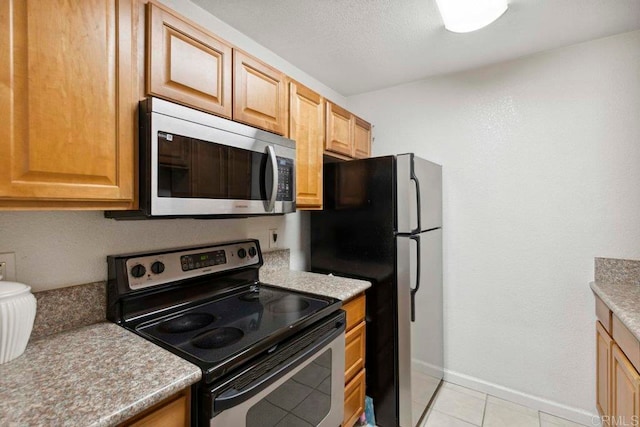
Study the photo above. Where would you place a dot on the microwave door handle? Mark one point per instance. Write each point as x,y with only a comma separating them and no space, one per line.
274,170
414,291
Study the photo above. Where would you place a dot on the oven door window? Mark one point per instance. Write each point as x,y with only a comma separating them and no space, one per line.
192,168
303,400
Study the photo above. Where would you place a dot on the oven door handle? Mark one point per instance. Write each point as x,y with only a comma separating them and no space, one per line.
271,202
233,397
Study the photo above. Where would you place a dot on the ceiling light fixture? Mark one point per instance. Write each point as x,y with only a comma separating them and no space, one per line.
463,16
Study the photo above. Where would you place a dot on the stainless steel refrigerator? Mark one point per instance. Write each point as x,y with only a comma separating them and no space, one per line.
382,221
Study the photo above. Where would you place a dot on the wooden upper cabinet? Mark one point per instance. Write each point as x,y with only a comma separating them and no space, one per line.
306,127
186,64
361,139
339,133
259,94
68,102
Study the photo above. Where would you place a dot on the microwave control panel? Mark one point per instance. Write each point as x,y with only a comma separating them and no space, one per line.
286,179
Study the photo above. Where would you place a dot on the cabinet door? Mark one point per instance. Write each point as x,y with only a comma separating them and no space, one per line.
604,344
186,64
354,394
339,133
306,127
362,139
625,389
68,102
259,94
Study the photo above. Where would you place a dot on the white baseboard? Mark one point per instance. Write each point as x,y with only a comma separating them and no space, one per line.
554,408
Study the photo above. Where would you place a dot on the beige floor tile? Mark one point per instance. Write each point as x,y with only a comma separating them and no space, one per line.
438,419
422,388
460,405
547,420
509,415
465,390
513,406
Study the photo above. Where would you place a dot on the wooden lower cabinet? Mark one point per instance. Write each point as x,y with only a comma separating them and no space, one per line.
355,339
625,390
354,393
172,412
604,346
617,379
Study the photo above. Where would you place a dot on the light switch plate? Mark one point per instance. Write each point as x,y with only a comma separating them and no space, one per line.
8,266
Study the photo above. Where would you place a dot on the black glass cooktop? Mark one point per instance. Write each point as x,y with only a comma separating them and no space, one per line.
214,331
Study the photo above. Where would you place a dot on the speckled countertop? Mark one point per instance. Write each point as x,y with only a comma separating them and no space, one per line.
617,283
97,375
333,286
276,272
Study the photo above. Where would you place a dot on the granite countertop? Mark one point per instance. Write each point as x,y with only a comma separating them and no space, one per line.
97,375
332,286
617,284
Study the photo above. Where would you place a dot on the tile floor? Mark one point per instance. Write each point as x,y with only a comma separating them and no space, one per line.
457,406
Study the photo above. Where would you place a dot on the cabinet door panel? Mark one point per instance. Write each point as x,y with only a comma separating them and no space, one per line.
354,394
259,94
625,388
187,65
68,100
604,344
307,129
339,132
362,139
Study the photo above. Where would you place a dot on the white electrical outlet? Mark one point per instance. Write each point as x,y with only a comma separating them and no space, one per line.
274,238
8,266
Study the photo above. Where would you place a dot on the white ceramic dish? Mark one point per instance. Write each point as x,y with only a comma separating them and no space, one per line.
17,312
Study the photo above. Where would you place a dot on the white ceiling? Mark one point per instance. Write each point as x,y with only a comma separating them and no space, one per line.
356,46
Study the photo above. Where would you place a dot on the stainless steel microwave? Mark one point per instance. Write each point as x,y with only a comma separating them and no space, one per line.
194,164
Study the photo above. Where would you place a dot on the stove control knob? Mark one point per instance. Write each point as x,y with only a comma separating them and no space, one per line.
138,270
242,253
252,252
157,267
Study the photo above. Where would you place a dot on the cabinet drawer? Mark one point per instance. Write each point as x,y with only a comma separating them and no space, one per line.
354,400
354,351
173,412
603,314
626,341
355,309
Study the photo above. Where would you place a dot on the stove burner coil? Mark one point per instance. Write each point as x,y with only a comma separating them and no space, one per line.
186,322
288,305
217,338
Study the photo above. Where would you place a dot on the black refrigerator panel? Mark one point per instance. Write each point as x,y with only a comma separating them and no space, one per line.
354,233
354,236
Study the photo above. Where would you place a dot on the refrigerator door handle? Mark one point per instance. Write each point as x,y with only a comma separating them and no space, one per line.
414,178
414,291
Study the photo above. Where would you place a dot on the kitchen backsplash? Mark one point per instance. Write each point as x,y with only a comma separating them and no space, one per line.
611,270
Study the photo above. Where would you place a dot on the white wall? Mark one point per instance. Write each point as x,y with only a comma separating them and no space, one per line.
57,249
541,161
